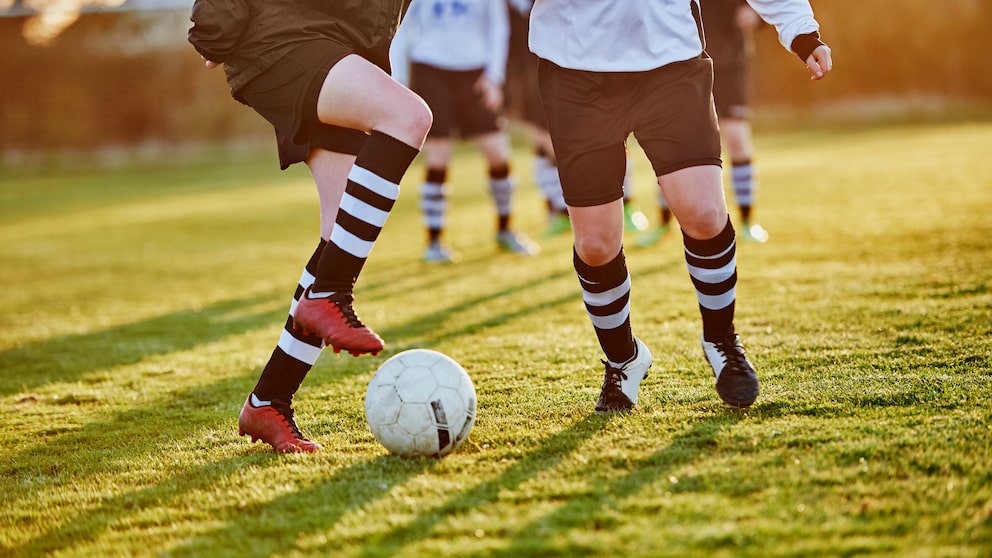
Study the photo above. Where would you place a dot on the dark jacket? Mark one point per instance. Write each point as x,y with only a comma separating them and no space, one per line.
250,36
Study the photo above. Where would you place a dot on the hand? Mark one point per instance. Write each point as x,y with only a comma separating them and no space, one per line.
209,63
819,63
492,93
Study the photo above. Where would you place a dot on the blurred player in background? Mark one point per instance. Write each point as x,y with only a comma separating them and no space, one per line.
453,54
522,91
609,69
319,73
728,26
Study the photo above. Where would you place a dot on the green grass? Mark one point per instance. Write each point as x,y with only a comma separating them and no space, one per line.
138,305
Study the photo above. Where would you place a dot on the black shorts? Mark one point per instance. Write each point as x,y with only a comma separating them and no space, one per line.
730,91
286,96
590,115
451,96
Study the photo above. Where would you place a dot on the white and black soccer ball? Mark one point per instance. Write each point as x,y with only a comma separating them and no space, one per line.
420,403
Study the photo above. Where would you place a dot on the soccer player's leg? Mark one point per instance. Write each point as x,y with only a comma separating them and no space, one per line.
695,195
681,138
357,94
267,414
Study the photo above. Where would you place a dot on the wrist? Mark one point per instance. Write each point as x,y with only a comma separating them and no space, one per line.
804,45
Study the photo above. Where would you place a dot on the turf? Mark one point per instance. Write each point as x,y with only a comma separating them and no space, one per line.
140,302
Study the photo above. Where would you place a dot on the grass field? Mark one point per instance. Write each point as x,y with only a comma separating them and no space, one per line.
138,305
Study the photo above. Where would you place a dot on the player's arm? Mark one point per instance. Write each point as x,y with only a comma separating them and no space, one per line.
798,31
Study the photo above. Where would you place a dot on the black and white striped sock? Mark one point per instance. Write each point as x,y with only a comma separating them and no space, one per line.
745,185
295,353
606,294
373,186
712,267
434,200
501,190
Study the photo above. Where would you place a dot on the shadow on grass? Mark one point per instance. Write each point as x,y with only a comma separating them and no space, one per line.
576,512
597,509
117,444
351,489
68,358
432,325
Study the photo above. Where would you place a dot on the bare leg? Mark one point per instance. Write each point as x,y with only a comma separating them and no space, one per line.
695,196
495,147
330,174
358,94
598,231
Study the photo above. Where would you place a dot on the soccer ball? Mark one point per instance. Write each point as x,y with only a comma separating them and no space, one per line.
420,403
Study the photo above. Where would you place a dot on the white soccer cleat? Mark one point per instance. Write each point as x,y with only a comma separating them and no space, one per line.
620,385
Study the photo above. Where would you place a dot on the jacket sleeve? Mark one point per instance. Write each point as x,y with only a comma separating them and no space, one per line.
797,30
217,27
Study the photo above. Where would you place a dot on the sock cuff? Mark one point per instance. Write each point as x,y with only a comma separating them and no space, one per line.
386,156
498,172
609,272
437,175
312,262
712,246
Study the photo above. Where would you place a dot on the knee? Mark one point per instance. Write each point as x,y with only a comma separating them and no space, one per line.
596,250
420,116
415,116
406,117
705,222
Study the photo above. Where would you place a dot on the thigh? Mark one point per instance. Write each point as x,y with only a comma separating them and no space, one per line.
358,94
435,87
676,123
587,133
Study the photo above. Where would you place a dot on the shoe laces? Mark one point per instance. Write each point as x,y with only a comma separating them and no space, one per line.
734,358
612,378
343,302
287,414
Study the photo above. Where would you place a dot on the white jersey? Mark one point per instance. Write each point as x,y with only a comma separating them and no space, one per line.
640,35
453,35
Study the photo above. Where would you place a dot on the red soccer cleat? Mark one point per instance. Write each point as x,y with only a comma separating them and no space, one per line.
334,319
274,425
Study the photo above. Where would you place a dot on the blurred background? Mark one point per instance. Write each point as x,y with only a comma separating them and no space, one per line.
117,77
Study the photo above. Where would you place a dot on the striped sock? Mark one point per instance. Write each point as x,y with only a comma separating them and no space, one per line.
373,186
434,200
606,294
501,190
742,177
713,269
295,353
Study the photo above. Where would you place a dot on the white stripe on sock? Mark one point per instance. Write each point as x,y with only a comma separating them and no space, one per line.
374,182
